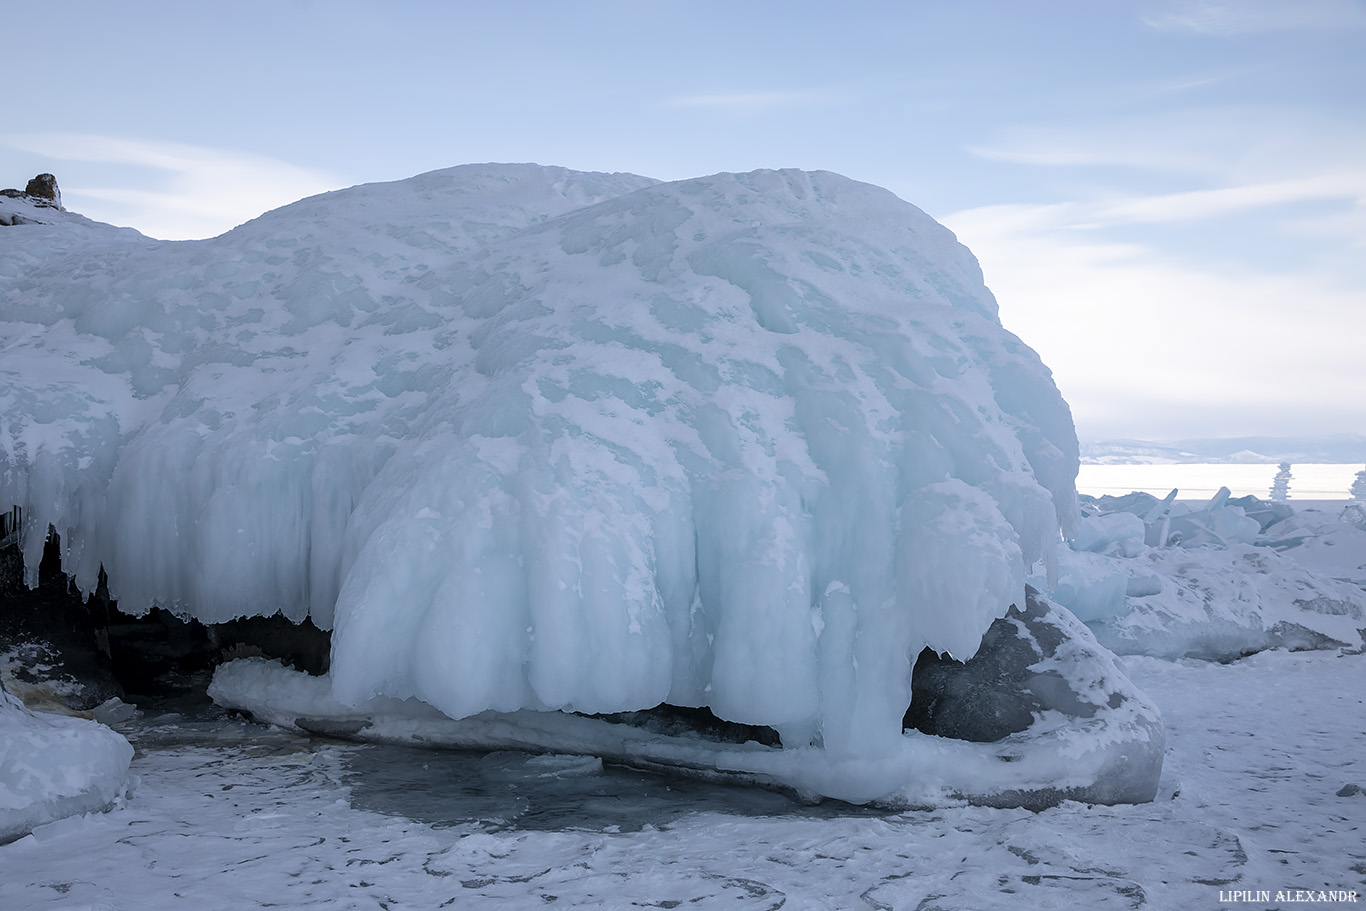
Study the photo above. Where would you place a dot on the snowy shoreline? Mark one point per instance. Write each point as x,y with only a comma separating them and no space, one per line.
239,816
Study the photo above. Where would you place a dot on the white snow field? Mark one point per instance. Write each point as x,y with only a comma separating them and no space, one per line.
532,439
53,766
1264,788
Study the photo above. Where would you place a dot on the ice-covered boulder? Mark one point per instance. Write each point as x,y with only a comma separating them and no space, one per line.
532,439
52,766
1033,662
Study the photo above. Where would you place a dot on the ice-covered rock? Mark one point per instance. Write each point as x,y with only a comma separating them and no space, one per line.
1222,603
527,438
1031,662
52,766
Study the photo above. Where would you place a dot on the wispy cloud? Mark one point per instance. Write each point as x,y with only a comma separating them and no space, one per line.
1242,17
1216,145
1116,209
1226,201
1191,142
1125,280
200,192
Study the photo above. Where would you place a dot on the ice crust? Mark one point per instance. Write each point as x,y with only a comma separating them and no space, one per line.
527,438
53,766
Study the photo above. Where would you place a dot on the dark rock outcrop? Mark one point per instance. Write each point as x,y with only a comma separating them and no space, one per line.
40,191
54,644
999,691
1036,670
44,186
66,652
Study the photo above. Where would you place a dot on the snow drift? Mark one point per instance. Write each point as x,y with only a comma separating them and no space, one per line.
526,438
52,766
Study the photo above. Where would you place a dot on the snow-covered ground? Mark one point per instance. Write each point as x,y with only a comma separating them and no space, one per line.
1264,789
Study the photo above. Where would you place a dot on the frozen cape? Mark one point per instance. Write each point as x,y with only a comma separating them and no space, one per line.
532,439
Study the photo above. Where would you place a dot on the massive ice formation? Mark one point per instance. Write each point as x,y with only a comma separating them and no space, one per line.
526,438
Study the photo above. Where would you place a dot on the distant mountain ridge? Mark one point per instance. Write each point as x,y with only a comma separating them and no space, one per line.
1339,448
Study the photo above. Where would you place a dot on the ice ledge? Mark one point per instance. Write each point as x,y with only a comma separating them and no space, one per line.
1113,756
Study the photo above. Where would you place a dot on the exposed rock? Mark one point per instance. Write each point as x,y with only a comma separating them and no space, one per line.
1001,689
62,652
44,187
40,193
1036,669
299,645
673,720
54,647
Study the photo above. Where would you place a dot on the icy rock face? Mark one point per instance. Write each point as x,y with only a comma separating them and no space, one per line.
529,438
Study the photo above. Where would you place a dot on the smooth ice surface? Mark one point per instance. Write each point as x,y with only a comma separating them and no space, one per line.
1264,787
53,766
527,438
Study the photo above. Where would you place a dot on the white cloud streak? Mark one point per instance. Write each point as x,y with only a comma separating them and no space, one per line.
200,192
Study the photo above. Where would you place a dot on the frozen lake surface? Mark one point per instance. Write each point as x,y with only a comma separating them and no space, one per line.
1264,789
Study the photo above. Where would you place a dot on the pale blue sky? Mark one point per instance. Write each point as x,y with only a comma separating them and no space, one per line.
1166,195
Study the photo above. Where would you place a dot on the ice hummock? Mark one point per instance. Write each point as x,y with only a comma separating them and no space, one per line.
532,439
1215,580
